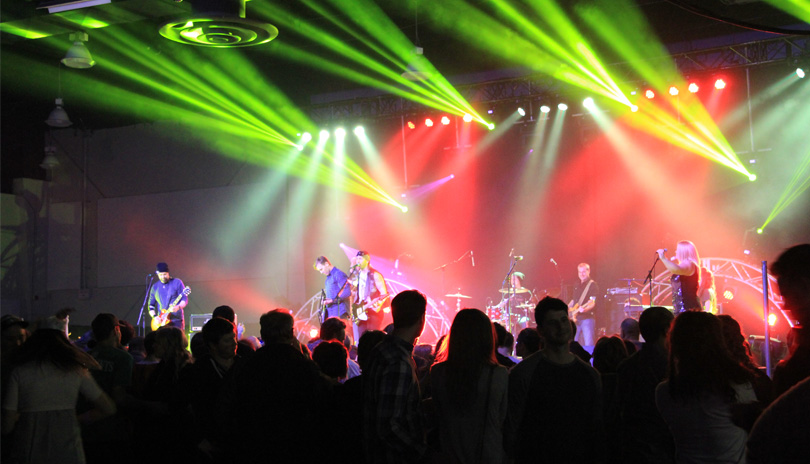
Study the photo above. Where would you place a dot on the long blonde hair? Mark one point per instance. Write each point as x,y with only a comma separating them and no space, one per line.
686,251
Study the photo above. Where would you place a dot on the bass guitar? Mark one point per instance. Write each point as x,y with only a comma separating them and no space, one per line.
361,310
162,318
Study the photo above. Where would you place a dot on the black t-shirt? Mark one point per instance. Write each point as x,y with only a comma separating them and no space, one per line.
593,292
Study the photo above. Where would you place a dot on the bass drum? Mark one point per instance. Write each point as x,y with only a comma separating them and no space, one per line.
495,314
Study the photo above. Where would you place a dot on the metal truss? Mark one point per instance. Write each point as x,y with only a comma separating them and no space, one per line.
731,269
436,322
541,87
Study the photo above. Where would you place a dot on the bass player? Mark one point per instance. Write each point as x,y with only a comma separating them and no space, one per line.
370,295
168,298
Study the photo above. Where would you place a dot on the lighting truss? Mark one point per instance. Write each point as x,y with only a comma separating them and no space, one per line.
545,88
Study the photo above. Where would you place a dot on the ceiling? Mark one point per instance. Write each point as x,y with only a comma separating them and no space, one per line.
682,25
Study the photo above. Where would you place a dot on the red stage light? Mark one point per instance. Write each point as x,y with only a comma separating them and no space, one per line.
693,87
445,120
429,122
649,94
673,91
411,125
719,84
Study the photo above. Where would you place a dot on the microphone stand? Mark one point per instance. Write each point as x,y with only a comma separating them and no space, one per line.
649,277
444,266
352,271
563,296
141,324
511,293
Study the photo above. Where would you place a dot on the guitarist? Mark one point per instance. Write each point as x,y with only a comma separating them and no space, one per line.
583,306
163,294
370,287
337,292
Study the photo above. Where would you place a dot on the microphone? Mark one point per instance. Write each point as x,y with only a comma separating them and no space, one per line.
553,262
665,250
518,258
511,252
472,258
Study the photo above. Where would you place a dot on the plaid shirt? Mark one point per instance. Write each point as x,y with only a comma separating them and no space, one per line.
392,421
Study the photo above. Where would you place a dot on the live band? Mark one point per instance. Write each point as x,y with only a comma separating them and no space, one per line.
363,297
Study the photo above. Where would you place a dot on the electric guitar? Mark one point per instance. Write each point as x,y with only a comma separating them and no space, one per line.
162,318
360,310
573,311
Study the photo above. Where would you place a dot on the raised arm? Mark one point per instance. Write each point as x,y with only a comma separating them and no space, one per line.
686,268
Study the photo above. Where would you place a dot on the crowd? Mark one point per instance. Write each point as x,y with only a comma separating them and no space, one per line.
690,392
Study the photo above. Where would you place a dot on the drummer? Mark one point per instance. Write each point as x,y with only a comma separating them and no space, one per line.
516,299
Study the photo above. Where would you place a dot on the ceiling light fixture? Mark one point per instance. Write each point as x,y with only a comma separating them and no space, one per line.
58,7
58,116
78,56
218,24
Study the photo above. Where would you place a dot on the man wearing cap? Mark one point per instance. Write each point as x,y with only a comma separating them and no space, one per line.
371,294
163,295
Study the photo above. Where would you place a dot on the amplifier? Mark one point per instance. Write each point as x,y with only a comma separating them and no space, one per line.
198,321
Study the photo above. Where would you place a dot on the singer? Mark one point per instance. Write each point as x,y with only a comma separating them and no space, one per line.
685,276
336,288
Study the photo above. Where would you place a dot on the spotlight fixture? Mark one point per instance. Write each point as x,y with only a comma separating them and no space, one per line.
545,109
429,122
562,107
759,230
467,117
720,84
800,72
324,134
306,137
589,104
358,131
521,112
411,125
340,132
218,24
633,108
58,117
445,120
693,87
752,177
673,91
78,56
649,94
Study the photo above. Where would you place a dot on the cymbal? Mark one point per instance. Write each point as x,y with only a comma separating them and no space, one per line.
457,295
514,290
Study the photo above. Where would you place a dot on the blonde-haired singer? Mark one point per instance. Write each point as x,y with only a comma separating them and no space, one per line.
685,276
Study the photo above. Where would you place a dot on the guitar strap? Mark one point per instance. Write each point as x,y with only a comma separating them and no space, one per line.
584,292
